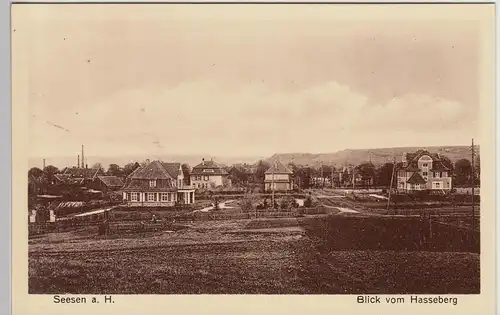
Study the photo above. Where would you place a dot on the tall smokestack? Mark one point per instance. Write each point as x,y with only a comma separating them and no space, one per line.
43,163
83,158
78,163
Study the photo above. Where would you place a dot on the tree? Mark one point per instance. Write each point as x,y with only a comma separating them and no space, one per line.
463,172
129,168
98,166
384,174
446,161
325,172
114,170
366,170
36,180
49,171
477,169
262,167
186,171
238,175
35,173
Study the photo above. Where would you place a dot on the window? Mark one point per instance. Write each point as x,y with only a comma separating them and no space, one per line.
152,183
424,173
151,197
134,196
437,174
425,165
417,186
205,178
165,197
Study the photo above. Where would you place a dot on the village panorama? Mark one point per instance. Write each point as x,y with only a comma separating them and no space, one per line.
269,227
312,150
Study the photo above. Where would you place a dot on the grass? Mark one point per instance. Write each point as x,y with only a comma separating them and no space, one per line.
209,258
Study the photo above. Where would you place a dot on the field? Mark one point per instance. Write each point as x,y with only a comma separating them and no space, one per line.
260,256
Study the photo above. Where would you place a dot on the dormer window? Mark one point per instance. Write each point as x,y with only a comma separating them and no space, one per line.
152,183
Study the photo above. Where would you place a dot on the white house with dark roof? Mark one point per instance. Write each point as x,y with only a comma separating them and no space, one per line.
278,177
423,171
157,184
208,174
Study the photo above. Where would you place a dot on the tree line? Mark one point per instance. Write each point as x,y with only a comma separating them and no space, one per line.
305,176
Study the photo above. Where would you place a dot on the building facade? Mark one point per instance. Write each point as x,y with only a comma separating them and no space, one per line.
278,177
423,171
208,174
157,184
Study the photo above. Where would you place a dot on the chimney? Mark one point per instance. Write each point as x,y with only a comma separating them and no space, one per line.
203,161
43,163
83,158
78,163
405,162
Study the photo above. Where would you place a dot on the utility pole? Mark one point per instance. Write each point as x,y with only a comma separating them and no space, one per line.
322,176
331,179
272,182
472,179
390,187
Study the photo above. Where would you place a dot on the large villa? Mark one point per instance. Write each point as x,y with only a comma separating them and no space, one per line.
157,184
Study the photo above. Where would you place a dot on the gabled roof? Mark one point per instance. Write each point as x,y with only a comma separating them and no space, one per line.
416,178
278,168
68,179
412,161
152,170
76,172
208,165
111,181
174,169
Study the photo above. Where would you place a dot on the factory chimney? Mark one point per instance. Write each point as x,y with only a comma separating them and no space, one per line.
83,158
78,163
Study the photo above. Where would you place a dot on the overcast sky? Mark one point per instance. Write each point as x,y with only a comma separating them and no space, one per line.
239,81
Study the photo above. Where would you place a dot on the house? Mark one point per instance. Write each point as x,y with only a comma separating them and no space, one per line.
423,171
107,183
209,174
241,175
278,177
78,175
157,184
363,180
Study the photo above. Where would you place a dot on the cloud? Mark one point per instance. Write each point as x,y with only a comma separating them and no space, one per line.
209,115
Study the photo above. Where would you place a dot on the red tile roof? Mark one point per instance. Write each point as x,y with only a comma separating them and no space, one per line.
412,161
152,170
278,168
208,165
416,178
174,169
111,181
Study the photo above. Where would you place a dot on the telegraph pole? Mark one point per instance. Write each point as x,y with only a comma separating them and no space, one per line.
331,179
390,187
472,179
272,182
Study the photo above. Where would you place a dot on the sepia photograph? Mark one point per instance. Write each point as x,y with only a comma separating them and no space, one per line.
252,149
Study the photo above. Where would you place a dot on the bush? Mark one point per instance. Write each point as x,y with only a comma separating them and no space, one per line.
308,202
246,205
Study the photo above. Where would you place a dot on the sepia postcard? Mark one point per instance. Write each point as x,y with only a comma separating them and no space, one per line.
253,158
